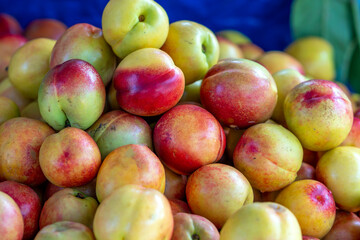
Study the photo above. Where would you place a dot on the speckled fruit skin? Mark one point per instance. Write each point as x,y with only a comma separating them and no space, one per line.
8,109
178,206
175,184
71,93
118,128
45,28
346,226
86,42
29,204
132,212
188,137
312,204
70,158
275,61
239,92
319,113
20,142
190,226
130,164
65,230
353,139
68,205
11,220
216,191
269,156
339,170
276,222
158,87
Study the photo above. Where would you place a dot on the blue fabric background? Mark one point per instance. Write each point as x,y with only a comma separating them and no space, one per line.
266,22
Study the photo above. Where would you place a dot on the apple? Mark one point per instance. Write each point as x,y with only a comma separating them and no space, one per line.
118,128
11,220
339,170
9,91
65,230
8,45
193,47
130,25
233,36
8,109
86,42
129,164
20,142
69,158
68,205
316,55
319,113
306,171
194,226
346,226
9,25
178,206
45,28
285,80
261,221
251,51
275,61
239,92
32,111
228,49
312,204
192,92
29,64
158,87
29,203
353,139
188,137
134,212
71,94
216,191
269,156
175,184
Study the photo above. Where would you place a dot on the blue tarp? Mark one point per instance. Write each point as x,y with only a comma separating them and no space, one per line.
266,22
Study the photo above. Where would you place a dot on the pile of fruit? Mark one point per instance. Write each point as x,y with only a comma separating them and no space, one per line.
145,130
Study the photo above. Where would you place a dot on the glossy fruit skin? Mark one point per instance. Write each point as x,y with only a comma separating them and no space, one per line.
319,113
20,142
244,224
65,230
353,139
339,170
159,85
11,220
132,212
188,137
239,92
269,156
228,49
346,226
312,204
29,203
45,28
131,25
129,164
251,51
306,171
275,61
216,191
178,206
175,184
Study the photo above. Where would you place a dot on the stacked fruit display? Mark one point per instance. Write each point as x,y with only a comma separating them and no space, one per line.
145,130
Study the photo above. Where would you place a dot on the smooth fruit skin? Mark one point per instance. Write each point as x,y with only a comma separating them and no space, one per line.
9,25
175,184
193,47
71,93
130,25
69,158
8,45
269,156
11,220
353,139
9,91
275,61
8,109
29,64
233,36
129,164
20,142
312,204
178,206
190,226
339,170
316,55
133,212
319,113
118,128
239,92
276,222
65,230
346,226
285,80
251,51
45,28
29,203
68,205
158,87
86,42
216,191
188,137
32,111
228,49
192,92
306,171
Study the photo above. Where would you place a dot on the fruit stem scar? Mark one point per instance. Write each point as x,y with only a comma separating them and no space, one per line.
80,195
203,48
141,18
195,237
